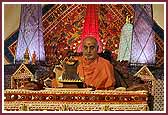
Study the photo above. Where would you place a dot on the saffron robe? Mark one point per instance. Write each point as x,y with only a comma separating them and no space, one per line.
97,73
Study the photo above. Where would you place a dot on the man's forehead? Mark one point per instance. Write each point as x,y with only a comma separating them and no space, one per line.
90,41
89,45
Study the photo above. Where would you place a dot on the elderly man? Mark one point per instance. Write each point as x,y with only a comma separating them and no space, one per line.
96,72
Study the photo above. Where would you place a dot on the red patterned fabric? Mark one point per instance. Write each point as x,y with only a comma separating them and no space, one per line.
91,25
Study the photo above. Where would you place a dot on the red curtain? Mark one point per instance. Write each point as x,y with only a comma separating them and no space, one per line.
91,26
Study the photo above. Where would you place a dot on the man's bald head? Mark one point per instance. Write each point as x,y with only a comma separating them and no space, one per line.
90,39
90,48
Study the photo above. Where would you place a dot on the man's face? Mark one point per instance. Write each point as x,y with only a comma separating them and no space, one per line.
90,48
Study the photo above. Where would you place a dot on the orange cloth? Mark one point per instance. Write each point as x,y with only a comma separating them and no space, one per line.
98,73
54,83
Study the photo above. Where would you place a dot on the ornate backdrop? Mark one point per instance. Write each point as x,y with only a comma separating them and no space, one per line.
63,24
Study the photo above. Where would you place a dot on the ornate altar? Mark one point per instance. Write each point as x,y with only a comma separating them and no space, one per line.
145,74
22,76
79,99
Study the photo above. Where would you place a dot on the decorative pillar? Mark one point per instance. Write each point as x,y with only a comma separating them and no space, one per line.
125,41
30,33
143,45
